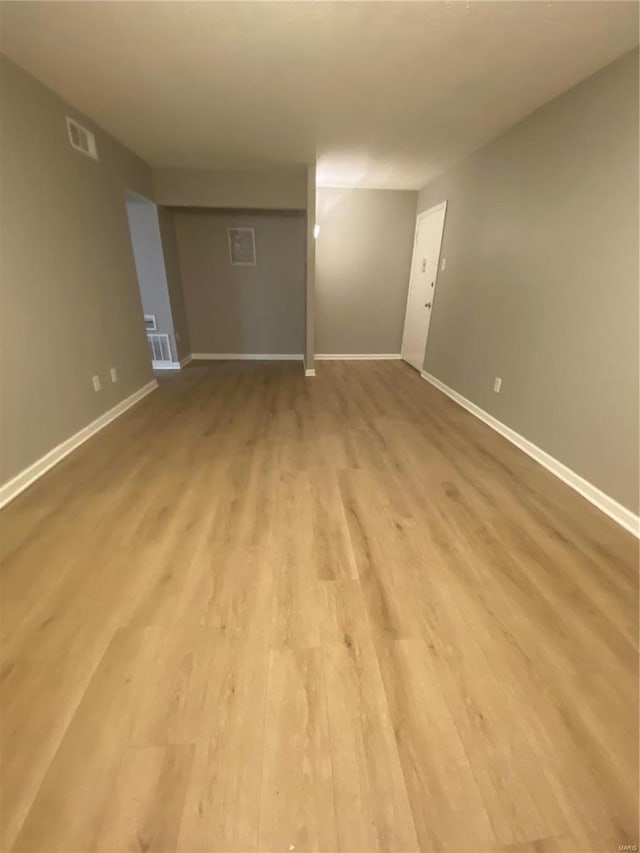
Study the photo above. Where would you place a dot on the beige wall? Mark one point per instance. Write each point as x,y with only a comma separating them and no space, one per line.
69,299
541,282
236,309
363,260
276,189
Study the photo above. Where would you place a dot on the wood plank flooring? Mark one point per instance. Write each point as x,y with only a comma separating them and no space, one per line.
264,612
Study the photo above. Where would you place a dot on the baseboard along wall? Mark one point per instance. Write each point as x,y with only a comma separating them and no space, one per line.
362,356
24,479
243,356
620,514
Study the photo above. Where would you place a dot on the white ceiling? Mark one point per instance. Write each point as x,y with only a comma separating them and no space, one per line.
384,94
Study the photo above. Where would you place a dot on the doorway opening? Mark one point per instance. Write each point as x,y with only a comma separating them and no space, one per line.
146,242
422,284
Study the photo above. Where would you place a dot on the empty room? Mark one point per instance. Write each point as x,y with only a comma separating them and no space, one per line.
319,426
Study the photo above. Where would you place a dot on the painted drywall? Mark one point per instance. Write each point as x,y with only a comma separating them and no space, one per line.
310,286
242,309
174,281
541,279
363,259
69,301
149,259
276,189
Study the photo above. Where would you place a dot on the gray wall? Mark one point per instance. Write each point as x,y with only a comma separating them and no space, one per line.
363,260
236,309
69,300
541,282
275,189
149,259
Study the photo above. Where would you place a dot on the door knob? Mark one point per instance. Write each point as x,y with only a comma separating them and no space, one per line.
427,305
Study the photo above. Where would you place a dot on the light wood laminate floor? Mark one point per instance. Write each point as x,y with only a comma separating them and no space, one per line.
264,612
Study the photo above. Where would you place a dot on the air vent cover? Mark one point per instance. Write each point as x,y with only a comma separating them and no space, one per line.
160,349
82,139
242,247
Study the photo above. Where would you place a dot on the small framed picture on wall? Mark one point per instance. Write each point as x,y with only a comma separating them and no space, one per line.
242,247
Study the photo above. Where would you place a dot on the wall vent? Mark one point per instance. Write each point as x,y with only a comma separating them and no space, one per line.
82,139
160,349
242,247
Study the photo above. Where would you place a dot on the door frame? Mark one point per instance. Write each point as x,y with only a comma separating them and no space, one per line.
440,206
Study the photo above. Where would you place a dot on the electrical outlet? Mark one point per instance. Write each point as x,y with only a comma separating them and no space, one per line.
443,265
96,383
114,374
497,384
177,337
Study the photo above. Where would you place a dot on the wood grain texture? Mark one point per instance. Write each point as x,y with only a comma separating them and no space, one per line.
262,612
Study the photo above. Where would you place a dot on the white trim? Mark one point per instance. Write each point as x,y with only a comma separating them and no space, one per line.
165,365
25,478
171,365
309,371
623,516
366,356
244,356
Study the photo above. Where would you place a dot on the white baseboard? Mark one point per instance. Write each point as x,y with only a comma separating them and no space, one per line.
309,371
243,356
25,478
623,516
366,356
171,365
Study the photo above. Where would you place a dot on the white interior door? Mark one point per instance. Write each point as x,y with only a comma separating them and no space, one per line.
422,284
